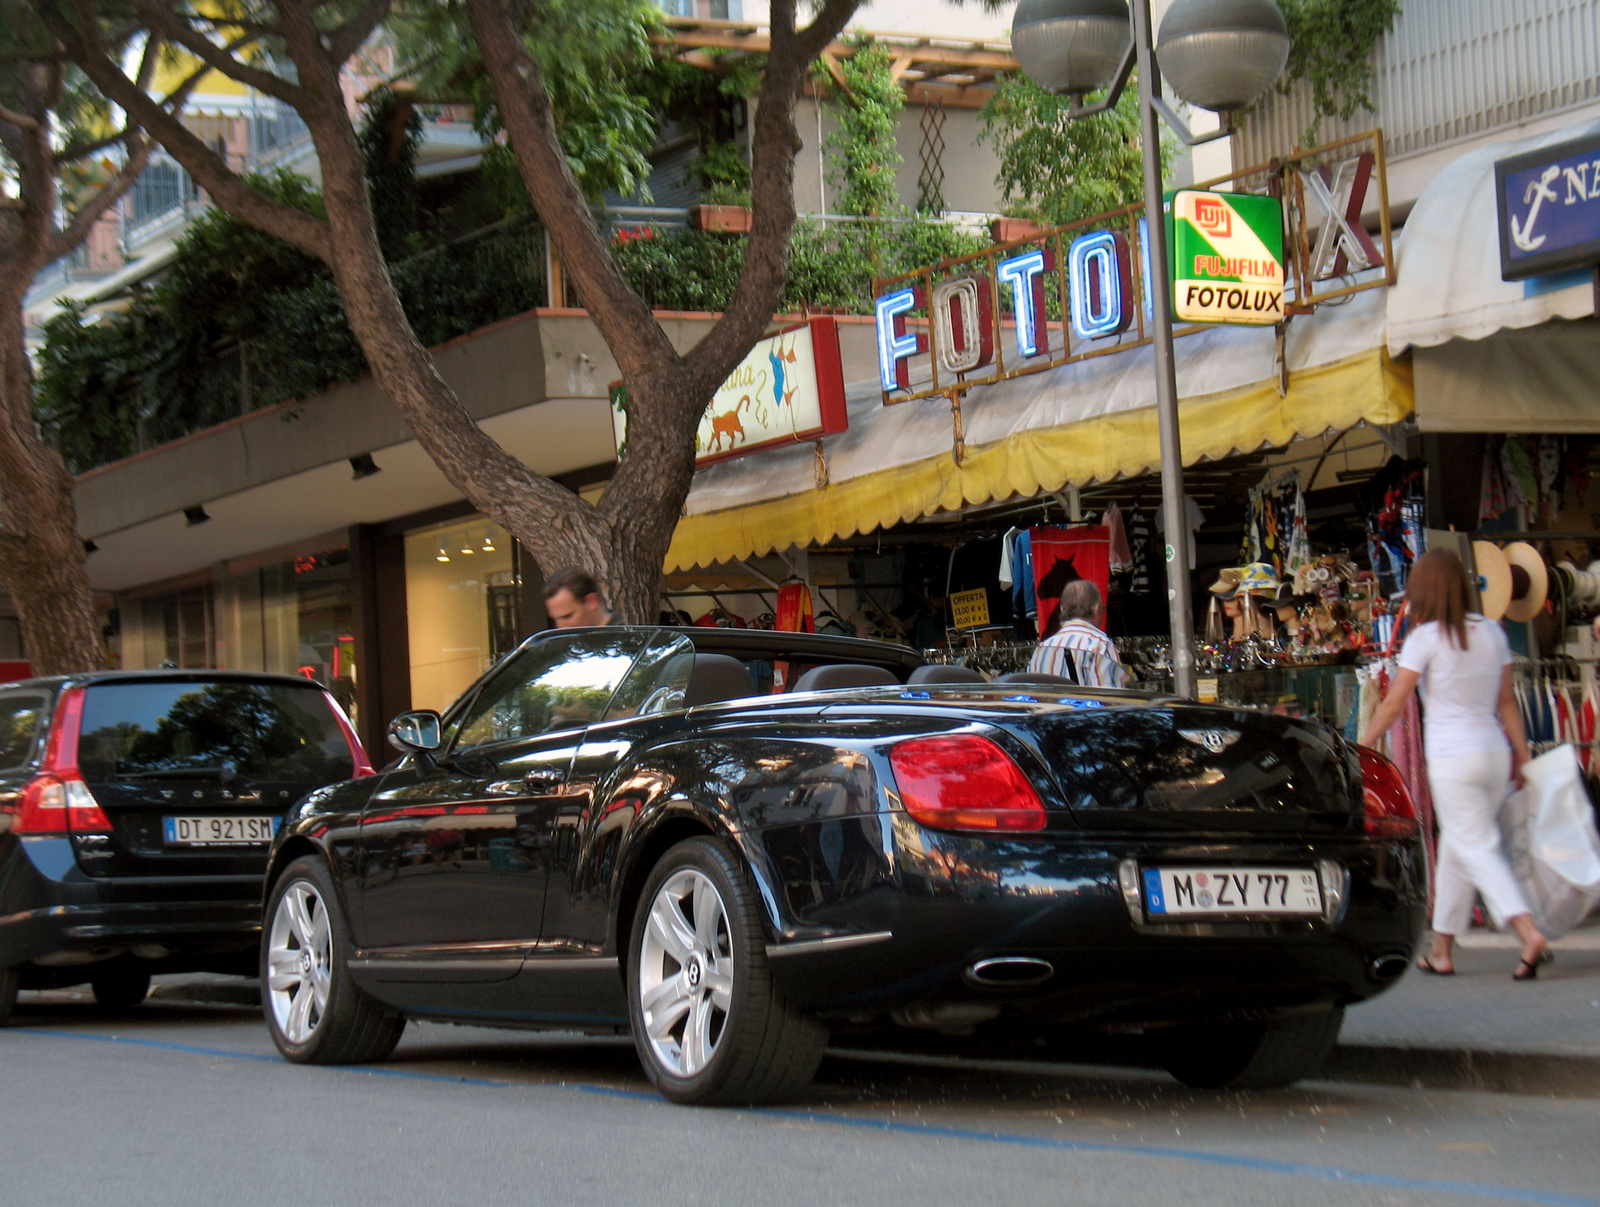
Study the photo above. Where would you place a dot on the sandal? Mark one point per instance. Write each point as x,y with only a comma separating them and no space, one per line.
1428,966
1528,970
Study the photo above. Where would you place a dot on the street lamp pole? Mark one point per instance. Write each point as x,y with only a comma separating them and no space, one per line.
1220,56
1175,522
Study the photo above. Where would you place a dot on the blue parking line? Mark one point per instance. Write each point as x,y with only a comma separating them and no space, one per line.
1295,1169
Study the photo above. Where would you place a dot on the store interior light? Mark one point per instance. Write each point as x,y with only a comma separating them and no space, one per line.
488,541
466,547
443,556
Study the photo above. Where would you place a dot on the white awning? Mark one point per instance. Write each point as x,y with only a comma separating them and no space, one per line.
1449,283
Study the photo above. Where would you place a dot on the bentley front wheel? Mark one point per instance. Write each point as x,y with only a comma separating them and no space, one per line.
708,1022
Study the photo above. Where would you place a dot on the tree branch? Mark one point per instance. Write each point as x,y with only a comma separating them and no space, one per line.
624,320
353,34
824,28
229,191
176,29
20,120
83,221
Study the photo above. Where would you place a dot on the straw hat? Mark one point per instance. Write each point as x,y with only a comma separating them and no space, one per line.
1530,581
1494,578
1227,584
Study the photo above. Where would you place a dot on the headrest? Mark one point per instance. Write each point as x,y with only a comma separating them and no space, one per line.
835,675
1036,677
717,677
935,673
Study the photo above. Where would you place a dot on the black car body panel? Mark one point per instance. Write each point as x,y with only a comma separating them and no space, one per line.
474,898
72,899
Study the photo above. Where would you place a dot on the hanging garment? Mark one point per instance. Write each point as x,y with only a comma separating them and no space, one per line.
1062,555
1193,519
1139,550
1024,607
794,609
1008,544
1121,553
1492,487
1552,452
1522,481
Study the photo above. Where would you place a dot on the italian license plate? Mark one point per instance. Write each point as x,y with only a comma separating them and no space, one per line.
218,831
1281,892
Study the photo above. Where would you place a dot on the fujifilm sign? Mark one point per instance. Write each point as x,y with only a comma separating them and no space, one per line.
1549,203
1227,257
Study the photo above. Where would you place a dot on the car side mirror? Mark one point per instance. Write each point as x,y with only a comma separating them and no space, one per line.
416,732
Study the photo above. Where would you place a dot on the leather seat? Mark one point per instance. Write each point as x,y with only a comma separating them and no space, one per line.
936,673
717,677
836,675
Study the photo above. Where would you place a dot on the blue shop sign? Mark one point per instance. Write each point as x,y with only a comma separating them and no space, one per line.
1549,203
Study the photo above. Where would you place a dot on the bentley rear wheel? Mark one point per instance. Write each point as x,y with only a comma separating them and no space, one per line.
708,1022
315,1011
1242,1056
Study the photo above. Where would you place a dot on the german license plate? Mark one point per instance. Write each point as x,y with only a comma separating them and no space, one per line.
1280,892
218,831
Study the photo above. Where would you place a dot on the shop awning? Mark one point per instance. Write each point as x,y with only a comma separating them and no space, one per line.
1089,421
1449,285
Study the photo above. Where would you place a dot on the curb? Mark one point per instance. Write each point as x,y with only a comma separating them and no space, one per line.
231,992
1543,1074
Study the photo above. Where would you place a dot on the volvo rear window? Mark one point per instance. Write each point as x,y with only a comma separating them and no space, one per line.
220,731
20,714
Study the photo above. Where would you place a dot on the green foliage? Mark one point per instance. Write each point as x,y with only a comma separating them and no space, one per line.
390,133
1058,169
866,105
709,105
1330,47
828,267
590,52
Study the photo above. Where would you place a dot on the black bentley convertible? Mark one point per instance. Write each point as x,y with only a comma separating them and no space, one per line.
615,829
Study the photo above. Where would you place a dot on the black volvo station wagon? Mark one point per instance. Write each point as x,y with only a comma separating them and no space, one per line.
614,830
136,812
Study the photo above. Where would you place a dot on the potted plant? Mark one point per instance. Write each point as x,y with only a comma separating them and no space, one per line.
724,190
1019,224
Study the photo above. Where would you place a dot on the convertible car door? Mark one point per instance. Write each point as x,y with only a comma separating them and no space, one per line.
455,857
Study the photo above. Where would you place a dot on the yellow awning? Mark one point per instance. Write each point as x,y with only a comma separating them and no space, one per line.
1367,386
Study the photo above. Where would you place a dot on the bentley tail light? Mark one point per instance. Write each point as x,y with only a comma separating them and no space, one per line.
964,782
1388,805
358,755
57,800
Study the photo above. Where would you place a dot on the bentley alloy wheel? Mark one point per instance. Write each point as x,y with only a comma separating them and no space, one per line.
709,1023
686,972
316,1013
299,960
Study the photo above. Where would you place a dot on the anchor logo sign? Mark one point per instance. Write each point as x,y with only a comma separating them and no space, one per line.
1537,193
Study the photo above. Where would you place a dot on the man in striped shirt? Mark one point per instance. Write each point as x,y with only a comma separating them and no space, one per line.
1079,650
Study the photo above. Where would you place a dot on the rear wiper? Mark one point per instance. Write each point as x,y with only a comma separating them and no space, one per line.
223,775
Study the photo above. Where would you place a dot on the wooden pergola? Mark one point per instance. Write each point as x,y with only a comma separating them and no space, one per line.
958,74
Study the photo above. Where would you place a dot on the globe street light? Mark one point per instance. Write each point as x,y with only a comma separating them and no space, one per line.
1221,55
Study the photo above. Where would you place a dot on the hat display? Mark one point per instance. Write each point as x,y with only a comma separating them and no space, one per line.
1227,584
1494,578
1530,581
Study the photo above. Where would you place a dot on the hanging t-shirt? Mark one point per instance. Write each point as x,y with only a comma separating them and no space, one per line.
794,609
1193,518
1061,555
1121,552
1139,549
1460,688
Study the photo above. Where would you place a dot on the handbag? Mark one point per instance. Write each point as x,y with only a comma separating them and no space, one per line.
1548,830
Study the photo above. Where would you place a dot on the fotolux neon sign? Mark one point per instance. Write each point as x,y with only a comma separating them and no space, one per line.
1084,289
961,319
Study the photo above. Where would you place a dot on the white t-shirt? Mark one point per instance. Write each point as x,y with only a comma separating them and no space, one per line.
1460,688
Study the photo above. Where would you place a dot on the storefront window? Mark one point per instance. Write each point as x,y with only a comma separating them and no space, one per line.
461,606
188,624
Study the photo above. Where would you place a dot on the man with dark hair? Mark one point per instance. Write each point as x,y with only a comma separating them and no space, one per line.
572,598
1079,650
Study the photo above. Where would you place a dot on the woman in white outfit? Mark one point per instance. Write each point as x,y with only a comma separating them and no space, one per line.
1475,745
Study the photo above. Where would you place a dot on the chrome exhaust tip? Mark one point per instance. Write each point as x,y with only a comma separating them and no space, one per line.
1009,972
1388,966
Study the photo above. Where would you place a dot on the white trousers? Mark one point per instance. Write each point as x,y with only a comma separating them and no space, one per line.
1468,789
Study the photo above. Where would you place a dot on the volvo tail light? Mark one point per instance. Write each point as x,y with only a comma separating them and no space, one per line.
1389,812
58,800
358,753
965,782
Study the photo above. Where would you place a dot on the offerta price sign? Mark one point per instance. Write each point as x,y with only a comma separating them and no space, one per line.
1227,257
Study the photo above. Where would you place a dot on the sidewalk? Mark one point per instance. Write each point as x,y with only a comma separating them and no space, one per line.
1480,1029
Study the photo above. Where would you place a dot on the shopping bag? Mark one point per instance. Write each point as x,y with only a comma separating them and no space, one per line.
1548,829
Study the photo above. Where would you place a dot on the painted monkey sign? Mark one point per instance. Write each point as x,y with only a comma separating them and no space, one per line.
789,387
1227,257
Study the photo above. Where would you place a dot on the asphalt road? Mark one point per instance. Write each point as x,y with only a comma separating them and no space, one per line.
181,1103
